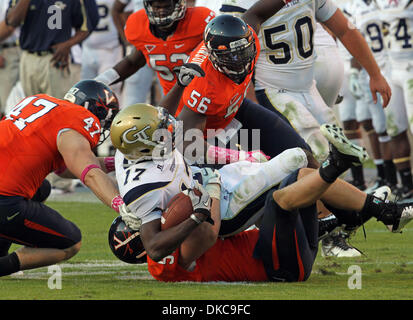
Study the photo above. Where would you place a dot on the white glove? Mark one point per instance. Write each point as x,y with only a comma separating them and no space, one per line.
129,218
200,203
187,72
211,179
354,84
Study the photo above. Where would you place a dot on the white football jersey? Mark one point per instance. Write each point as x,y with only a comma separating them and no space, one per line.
399,15
136,4
367,20
286,39
322,38
105,35
147,187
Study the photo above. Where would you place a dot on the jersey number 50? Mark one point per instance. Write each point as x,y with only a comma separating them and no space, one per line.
282,51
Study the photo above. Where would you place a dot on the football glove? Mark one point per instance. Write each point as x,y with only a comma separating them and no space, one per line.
354,84
129,218
200,203
187,72
212,181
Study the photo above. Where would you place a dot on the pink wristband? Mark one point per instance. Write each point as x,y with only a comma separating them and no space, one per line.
86,170
221,155
109,163
116,203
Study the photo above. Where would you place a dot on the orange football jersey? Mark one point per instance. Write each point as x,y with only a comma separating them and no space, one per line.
166,56
225,261
28,141
215,95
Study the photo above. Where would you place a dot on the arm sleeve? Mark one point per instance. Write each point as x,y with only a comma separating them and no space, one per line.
324,9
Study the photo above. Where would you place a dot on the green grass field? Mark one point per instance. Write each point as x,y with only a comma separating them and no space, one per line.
95,274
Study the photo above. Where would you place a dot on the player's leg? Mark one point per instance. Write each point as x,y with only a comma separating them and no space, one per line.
397,126
275,134
347,114
137,87
328,73
47,237
246,185
287,245
9,74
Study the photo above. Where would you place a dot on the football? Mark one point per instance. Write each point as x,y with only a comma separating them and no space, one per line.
178,210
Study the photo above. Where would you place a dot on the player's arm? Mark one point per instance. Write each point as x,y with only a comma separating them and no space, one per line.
124,69
81,161
353,40
193,126
118,16
158,244
17,14
200,240
5,31
261,11
61,52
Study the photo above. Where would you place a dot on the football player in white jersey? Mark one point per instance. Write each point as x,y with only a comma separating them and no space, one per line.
102,47
137,87
284,73
366,19
150,171
398,14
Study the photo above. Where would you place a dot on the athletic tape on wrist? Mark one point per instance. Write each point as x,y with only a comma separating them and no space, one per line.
116,203
86,170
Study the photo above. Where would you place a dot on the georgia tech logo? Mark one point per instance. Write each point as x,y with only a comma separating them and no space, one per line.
141,135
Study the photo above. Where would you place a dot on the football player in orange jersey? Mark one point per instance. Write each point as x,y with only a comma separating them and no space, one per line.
285,245
40,135
164,33
217,101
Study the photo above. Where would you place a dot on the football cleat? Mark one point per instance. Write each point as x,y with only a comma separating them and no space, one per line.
405,215
348,150
383,193
335,245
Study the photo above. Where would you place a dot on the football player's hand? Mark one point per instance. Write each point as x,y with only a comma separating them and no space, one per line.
354,85
212,181
210,176
129,218
61,53
187,72
379,85
253,156
202,202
